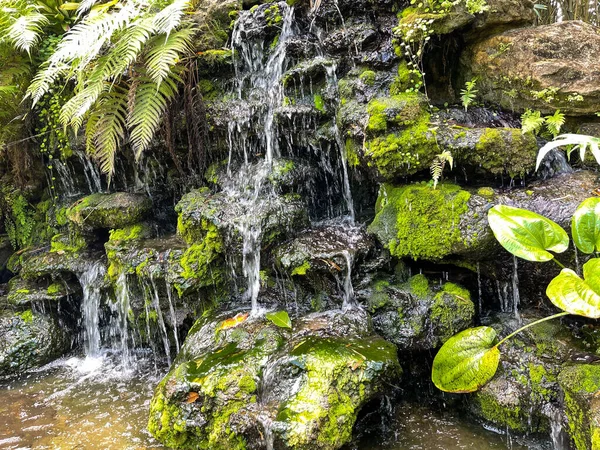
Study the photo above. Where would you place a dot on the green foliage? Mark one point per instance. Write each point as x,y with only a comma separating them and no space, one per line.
555,122
585,226
280,318
470,359
526,234
573,142
437,167
469,93
467,361
19,220
533,122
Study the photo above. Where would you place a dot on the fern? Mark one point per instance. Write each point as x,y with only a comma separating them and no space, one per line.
555,122
165,52
531,121
437,167
469,94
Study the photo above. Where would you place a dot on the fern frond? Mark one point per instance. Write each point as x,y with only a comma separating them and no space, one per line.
106,128
438,164
555,122
531,121
170,17
166,51
150,103
25,32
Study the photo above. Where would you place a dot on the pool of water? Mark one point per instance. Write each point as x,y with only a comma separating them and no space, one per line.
78,403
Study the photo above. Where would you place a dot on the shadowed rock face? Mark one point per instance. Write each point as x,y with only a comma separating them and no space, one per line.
29,340
543,68
239,385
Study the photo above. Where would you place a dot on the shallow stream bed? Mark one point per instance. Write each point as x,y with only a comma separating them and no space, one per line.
77,403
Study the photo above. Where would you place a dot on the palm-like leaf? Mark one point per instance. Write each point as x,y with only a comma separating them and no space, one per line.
580,141
166,51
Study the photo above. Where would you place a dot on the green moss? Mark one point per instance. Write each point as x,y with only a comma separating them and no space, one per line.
71,243
451,311
486,192
405,80
319,104
27,316
509,151
401,109
273,15
503,415
419,285
214,59
368,77
352,153
302,269
418,221
54,288
129,233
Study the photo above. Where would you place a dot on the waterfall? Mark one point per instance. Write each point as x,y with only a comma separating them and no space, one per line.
479,290
515,288
173,315
348,289
90,281
119,324
259,80
161,322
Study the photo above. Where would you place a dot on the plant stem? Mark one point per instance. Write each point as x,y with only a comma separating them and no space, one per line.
530,325
559,263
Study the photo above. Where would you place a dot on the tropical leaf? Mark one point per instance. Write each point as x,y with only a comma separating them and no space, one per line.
579,141
467,361
233,321
26,31
280,318
166,51
585,226
575,295
526,234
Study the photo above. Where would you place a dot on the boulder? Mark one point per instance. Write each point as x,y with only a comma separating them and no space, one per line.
25,292
420,222
49,263
29,340
242,383
416,315
542,68
109,211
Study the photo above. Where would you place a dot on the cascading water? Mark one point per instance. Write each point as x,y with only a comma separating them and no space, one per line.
515,288
119,324
258,78
90,281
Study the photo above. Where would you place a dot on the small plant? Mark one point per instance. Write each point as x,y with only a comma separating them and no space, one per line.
469,93
532,121
470,359
437,167
573,142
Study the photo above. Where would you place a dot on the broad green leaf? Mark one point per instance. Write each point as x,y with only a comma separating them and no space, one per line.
585,226
526,234
466,361
575,295
280,318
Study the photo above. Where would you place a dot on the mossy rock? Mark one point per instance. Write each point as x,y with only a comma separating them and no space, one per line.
25,292
318,380
109,211
48,263
419,316
29,340
581,385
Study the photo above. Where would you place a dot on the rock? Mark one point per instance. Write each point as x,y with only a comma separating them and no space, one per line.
50,263
235,386
29,340
417,316
25,292
420,222
201,212
581,385
109,211
542,68
526,390
501,15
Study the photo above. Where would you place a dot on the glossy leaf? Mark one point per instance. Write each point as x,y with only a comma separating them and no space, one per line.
233,321
466,361
526,234
575,295
280,318
585,226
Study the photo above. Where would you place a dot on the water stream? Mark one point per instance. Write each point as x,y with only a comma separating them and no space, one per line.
91,281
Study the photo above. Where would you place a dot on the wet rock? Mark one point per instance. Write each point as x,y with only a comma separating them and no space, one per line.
581,385
276,216
109,211
500,16
25,292
541,68
422,223
48,263
237,386
29,340
416,315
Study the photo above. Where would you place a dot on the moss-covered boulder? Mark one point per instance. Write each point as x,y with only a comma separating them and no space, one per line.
29,340
50,263
417,315
420,222
109,211
581,386
239,382
542,68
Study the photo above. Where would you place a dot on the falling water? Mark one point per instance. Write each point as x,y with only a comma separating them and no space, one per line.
348,289
515,288
161,322
479,290
173,315
90,281
90,170
119,325
557,432
260,79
